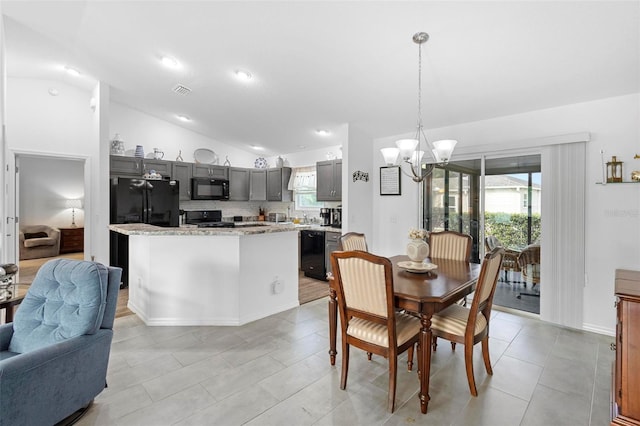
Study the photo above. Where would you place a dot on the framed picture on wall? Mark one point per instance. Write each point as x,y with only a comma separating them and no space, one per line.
390,180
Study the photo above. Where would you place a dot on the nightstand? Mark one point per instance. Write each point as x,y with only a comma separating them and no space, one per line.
71,240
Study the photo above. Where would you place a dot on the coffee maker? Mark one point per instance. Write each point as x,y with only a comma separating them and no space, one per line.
325,216
336,217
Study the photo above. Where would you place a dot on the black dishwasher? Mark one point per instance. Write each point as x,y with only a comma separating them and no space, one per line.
312,254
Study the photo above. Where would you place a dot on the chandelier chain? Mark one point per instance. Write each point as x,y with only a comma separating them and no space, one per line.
419,86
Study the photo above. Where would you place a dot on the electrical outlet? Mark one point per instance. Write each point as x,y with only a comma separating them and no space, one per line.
277,287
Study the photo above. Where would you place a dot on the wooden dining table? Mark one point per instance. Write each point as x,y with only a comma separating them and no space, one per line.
423,294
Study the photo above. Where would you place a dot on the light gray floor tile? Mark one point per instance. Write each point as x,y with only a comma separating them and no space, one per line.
111,406
492,407
552,407
533,348
515,377
170,410
570,376
296,377
306,406
183,378
238,409
241,378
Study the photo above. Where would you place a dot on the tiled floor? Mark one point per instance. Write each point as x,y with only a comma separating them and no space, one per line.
276,372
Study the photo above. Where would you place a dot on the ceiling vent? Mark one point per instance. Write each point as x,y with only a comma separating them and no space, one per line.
181,89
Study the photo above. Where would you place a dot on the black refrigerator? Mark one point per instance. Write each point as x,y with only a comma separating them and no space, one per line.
139,201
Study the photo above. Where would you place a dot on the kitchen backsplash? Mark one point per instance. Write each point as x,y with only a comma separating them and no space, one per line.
249,209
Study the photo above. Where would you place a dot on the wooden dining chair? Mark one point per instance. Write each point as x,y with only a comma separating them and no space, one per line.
450,245
368,318
352,241
469,326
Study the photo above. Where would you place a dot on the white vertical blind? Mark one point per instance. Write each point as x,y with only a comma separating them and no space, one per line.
563,227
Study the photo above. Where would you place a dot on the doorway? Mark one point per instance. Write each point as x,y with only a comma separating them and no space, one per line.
49,199
510,211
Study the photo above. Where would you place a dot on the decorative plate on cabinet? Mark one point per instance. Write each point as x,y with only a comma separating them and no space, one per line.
260,163
205,156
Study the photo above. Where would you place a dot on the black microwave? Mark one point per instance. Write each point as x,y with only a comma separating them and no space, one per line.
209,189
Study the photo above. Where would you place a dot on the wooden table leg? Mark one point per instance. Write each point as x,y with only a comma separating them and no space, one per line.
424,365
8,315
333,324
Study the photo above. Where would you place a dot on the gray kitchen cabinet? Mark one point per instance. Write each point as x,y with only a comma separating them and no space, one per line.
125,166
330,245
238,184
160,166
210,171
258,185
329,180
277,184
182,172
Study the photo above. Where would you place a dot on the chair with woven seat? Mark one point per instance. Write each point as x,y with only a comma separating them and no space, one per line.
469,326
510,261
368,318
352,241
529,262
450,245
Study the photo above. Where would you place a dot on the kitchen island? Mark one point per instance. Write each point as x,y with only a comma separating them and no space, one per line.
211,276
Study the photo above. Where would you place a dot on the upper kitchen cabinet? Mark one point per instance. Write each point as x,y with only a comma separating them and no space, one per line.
209,170
183,172
125,166
277,183
258,185
163,167
329,180
238,184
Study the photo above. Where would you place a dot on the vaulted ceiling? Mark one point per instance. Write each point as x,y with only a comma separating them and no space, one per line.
317,65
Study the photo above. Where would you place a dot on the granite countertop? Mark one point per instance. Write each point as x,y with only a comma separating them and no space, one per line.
146,229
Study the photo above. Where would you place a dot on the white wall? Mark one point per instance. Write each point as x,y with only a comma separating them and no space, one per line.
45,185
356,196
613,211
138,128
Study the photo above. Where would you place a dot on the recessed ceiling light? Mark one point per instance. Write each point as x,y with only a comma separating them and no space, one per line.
170,62
323,132
72,71
257,148
243,75
53,91
184,118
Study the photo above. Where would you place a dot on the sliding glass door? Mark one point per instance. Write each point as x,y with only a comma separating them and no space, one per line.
511,214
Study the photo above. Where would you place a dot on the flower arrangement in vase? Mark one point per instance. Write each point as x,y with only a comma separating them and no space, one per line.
417,249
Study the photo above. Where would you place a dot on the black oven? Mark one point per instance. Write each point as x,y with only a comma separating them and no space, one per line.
209,189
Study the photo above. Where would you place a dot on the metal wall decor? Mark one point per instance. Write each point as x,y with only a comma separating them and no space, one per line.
360,175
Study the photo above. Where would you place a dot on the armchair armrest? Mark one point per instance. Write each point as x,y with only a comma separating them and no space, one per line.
75,368
6,332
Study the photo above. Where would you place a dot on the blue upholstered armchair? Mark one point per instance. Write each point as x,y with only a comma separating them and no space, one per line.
54,356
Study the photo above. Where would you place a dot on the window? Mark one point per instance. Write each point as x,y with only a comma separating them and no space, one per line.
306,201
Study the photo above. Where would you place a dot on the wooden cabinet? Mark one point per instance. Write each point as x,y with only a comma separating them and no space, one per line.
125,166
626,381
136,167
238,184
277,184
182,172
209,170
329,180
160,166
258,185
71,240
330,245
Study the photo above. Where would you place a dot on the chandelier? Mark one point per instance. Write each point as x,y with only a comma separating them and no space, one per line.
410,151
